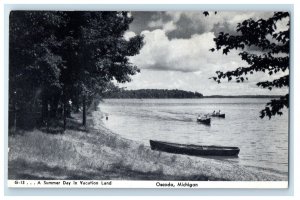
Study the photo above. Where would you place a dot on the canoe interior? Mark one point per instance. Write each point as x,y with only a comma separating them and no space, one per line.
195,150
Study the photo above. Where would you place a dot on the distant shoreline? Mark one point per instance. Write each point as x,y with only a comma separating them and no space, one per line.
243,96
211,96
171,94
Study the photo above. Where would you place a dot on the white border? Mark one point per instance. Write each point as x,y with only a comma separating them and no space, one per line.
296,110
144,184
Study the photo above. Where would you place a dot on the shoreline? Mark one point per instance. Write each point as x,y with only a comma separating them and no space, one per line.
100,154
216,165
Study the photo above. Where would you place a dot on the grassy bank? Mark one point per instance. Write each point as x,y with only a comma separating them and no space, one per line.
98,154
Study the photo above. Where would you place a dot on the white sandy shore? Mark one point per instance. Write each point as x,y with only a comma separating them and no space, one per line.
101,154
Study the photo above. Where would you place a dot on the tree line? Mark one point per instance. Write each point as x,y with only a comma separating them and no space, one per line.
150,94
62,61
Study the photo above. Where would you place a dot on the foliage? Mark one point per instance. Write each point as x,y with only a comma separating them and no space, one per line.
34,67
61,61
272,44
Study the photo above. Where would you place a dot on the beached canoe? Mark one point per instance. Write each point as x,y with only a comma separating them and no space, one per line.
205,120
218,115
194,150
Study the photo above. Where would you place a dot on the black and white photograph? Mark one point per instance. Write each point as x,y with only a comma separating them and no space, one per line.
169,99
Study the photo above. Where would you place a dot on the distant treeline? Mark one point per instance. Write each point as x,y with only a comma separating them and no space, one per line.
119,93
152,94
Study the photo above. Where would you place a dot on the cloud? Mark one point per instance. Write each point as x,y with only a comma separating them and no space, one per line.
188,23
156,23
142,19
176,52
282,24
128,34
169,26
165,26
184,55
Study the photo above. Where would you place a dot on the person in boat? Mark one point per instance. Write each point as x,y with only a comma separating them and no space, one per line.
214,112
219,112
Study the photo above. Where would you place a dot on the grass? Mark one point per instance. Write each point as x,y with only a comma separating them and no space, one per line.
95,153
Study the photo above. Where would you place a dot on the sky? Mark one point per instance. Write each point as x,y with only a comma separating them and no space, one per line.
176,52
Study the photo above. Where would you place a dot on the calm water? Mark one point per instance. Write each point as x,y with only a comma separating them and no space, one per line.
263,142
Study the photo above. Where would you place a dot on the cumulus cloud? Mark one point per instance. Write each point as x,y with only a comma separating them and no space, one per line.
161,53
192,22
169,26
184,24
165,26
128,34
176,52
185,55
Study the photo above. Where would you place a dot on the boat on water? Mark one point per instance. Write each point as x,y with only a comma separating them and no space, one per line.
194,150
218,115
204,120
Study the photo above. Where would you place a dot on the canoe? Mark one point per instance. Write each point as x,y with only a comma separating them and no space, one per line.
194,150
218,115
204,120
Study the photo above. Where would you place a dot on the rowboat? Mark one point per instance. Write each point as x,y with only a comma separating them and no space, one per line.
194,150
218,115
204,120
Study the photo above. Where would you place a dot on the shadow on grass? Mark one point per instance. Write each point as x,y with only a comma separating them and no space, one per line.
20,169
54,126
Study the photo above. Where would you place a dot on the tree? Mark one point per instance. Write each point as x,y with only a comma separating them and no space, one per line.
57,58
100,53
34,68
264,36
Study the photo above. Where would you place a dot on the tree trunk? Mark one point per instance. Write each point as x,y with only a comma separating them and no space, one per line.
44,110
15,117
64,115
54,106
84,110
64,110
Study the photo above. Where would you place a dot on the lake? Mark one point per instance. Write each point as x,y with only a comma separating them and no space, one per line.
263,143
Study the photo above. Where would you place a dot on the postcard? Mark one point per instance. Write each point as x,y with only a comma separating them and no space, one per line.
148,99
